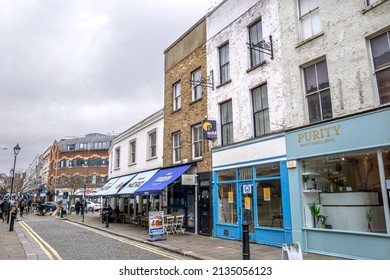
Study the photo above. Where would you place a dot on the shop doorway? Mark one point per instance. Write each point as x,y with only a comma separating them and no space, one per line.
205,209
182,202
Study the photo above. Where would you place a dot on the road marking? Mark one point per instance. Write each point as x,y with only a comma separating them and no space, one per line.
42,243
126,241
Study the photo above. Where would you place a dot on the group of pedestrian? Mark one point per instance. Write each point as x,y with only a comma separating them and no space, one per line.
16,206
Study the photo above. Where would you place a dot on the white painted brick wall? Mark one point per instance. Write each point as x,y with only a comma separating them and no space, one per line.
239,90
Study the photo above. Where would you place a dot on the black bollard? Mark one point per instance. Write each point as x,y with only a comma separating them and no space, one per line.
245,241
62,213
12,222
107,218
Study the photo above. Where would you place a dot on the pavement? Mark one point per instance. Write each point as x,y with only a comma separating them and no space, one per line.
15,245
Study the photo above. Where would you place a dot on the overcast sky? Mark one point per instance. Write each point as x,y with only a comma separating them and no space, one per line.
73,67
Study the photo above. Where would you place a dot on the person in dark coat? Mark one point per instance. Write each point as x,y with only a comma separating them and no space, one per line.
77,207
5,208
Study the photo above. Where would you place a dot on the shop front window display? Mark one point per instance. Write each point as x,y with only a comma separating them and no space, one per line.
343,188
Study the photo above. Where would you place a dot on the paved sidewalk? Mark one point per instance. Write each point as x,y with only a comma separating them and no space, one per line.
196,246
11,247
16,246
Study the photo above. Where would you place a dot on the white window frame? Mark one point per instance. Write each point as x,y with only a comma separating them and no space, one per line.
176,143
309,18
227,136
177,96
197,141
133,151
117,159
379,70
152,145
255,33
196,87
261,118
319,93
224,63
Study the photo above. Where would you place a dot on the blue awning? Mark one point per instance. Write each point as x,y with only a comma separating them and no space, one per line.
161,179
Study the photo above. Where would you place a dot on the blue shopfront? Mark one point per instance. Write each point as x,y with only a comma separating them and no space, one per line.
341,168
251,177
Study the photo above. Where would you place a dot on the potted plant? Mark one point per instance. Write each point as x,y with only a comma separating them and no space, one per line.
340,183
369,219
322,219
315,211
305,178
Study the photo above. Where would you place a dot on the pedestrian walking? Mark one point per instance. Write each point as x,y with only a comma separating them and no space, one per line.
22,205
77,207
5,208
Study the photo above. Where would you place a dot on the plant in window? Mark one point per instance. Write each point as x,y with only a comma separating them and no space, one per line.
305,178
322,219
315,211
369,219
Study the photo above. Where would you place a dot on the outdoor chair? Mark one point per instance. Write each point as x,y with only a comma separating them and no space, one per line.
178,224
168,224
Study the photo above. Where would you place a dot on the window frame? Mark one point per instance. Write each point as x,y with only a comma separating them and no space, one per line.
176,88
224,66
197,142
196,85
117,161
322,93
383,68
264,127
152,144
176,147
133,151
228,124
310,14
256,57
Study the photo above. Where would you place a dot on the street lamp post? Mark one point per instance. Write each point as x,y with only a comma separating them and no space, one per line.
16,152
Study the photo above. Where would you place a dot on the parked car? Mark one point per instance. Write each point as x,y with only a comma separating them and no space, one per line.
91,207
51,206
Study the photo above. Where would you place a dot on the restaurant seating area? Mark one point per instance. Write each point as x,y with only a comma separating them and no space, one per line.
172,224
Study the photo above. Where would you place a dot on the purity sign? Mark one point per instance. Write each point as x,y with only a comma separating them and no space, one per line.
319,136
356,132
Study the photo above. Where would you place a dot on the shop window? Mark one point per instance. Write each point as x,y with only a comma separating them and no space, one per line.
227,204
268,170
381,54
227,175
245,173
269,203
346,191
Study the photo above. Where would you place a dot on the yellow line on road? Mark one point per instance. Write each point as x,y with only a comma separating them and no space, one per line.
126,241
41,242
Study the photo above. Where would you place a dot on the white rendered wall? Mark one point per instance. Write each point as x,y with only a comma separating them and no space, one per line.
139,132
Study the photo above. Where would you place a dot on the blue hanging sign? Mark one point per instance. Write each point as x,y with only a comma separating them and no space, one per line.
209,129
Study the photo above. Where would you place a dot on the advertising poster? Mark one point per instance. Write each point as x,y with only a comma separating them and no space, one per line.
156,223
267,194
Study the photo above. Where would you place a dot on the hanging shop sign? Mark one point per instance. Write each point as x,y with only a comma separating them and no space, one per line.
209,129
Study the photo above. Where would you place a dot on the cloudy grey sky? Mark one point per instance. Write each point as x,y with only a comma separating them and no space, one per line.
73,67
